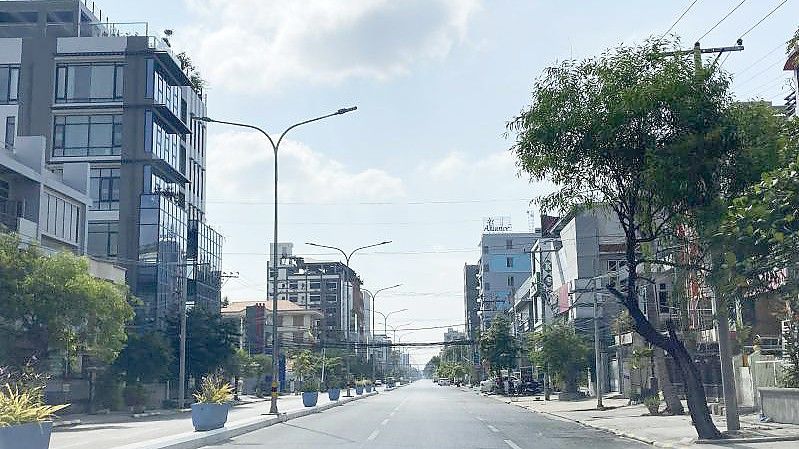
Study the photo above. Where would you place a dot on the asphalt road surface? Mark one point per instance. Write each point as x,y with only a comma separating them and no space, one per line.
424,415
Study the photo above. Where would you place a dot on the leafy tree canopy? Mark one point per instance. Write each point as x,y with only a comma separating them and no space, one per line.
497,345
51,303
145,358
210,341
561,352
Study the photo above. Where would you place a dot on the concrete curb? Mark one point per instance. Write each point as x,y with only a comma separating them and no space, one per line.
66,423
194,440
655,443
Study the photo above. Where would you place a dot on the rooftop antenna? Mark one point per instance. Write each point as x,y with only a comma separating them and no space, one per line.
167,35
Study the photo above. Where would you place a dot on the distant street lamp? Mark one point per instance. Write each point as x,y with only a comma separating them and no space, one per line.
374,305
347,258
275,147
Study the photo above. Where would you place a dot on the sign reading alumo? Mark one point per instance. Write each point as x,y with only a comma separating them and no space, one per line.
497,224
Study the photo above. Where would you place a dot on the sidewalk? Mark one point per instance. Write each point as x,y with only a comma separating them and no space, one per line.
634,421
121,429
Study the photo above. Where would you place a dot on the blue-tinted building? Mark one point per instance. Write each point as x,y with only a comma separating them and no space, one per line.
504,266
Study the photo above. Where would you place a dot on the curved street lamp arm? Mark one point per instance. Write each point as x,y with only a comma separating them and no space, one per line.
368,246
304,122
329,247
241,125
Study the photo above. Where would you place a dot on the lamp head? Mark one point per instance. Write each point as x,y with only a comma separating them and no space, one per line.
346,110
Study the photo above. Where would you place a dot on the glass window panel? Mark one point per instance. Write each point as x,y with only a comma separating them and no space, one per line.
102,135
102,82
4,84
61,82
79,82
113,244
97,244
119,84
13,91
76,136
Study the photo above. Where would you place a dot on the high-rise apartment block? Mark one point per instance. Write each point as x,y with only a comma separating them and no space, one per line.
113,106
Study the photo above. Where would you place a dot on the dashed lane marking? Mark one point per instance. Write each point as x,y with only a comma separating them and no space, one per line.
492,428
385,421
512,444
373,435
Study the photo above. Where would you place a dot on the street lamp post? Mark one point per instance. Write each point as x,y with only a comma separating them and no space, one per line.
374,304
347,258
275,147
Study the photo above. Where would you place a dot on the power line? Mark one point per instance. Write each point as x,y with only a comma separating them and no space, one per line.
722,20
368,203
760,59
764,18
678,19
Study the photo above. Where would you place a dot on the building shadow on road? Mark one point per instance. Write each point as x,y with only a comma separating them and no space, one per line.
338,437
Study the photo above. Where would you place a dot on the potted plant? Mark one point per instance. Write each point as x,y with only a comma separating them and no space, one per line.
334,385
367,383
310,392
212,406
652,403
135,397
25,420
359,387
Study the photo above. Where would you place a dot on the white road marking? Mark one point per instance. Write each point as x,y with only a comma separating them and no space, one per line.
479,418
385,421
492,428
392,413
512,444
373,435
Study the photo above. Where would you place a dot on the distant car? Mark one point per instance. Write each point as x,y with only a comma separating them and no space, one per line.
378,382
487,386
443,382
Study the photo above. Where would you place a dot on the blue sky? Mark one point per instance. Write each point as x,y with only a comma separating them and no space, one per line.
435,82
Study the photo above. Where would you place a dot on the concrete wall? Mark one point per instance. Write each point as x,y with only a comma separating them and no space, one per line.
780,404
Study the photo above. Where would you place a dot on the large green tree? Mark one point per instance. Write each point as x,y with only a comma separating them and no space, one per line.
52,305
655,138
210,341
561,353
146,358
497,345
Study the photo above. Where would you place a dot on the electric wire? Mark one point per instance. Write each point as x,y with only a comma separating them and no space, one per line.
678,19
762,19
722,20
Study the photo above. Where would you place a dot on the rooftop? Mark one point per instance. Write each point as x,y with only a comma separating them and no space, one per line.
239,306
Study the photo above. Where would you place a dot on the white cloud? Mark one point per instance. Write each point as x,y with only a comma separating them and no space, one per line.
459,165
262,44
240,166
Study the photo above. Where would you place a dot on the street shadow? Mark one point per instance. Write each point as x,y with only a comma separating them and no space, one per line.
319,432
83,429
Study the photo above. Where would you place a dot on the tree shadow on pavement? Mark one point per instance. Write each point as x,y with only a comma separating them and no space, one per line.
319,432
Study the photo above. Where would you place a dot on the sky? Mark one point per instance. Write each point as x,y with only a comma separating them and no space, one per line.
425,157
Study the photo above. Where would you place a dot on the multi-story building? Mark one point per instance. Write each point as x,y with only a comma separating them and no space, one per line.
42,207
297,326
117,100
453,335
503,267
470,301
329,287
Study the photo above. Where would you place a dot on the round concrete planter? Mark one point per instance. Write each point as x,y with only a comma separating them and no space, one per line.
35,435
333,393
310,398
209,416
358,390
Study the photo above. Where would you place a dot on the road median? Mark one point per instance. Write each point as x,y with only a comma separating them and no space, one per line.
194,440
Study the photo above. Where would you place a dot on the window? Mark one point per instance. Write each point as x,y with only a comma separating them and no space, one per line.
293,285
293,297
331,298
485,249
87,135
509,262
314,298
511,281
162,144
488,287
89,83
11,131
103,239
615,267
485,268
315,285
9,84
508,244
105,188
63,218
19,17
663,298
331,285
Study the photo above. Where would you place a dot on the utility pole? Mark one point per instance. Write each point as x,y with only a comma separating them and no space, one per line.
720,314
598,359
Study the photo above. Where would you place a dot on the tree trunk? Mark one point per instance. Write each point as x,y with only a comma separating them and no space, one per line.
673,403
694,392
